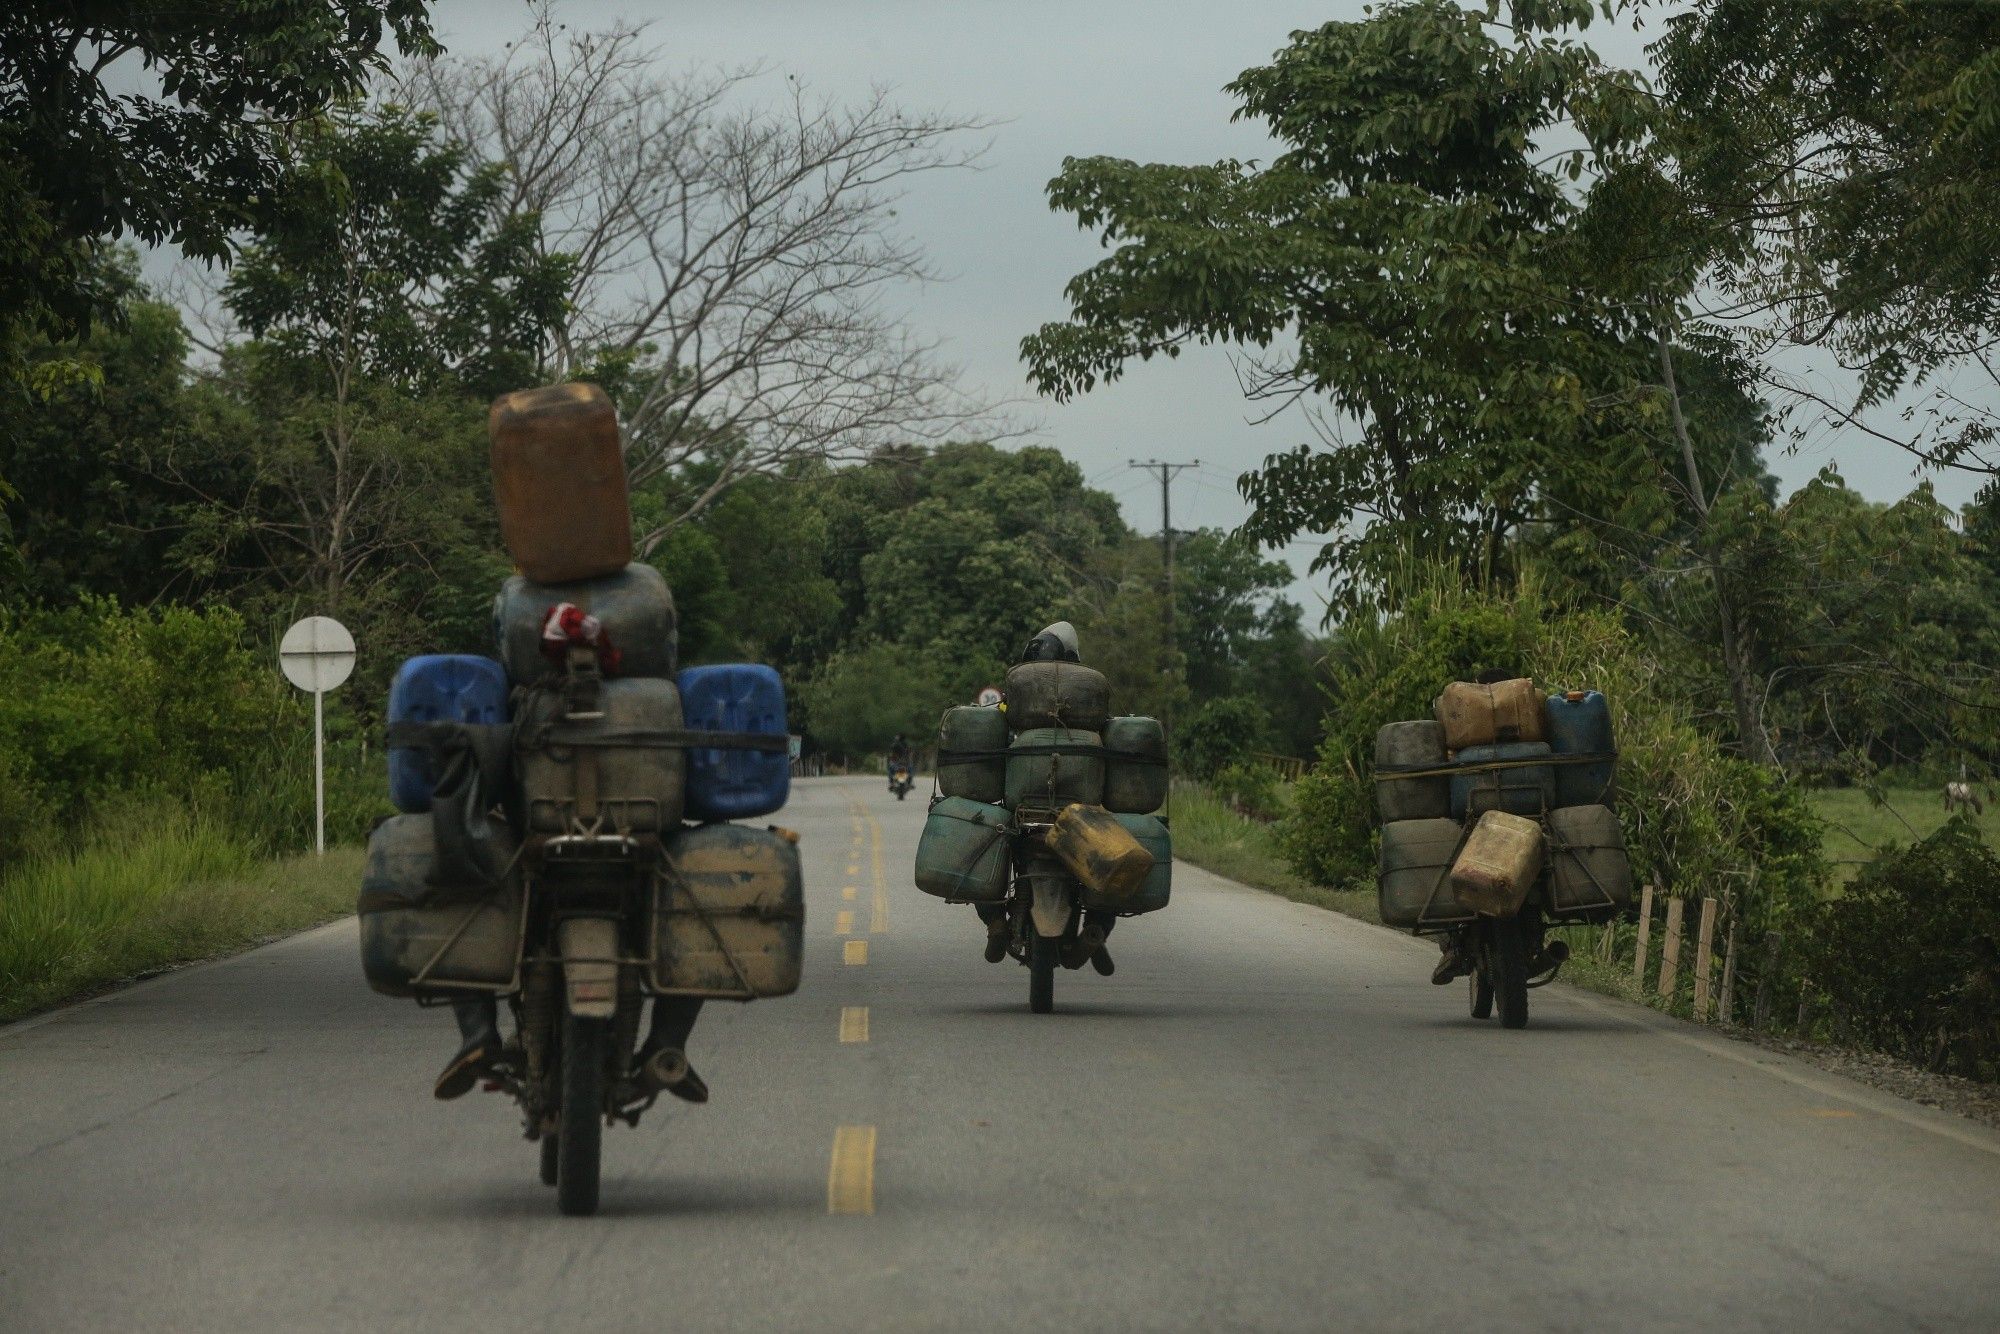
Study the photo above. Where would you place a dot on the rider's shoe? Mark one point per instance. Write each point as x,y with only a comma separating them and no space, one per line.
996,946
479,1025
1100,959
477,1057
1451,967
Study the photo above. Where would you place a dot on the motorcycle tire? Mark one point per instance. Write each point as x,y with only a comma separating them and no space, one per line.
1510,972
1043,955
1482,993
580,1146
551,1148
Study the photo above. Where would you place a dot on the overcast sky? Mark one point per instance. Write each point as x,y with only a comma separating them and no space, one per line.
1122,77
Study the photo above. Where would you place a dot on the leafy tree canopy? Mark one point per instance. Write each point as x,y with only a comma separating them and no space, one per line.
1405,259
189,155
1841,159
413,274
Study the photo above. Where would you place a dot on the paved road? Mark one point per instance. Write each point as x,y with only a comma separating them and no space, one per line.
1268,1120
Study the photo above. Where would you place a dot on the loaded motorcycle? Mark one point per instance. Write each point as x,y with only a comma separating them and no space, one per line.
900,780
604,898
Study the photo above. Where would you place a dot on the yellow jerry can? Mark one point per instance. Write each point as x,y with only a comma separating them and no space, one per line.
1099,851
1498,864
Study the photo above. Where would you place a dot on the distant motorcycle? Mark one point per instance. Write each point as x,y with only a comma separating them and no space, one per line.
900,780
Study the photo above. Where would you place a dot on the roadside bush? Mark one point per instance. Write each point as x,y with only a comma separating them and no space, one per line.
102,708
1219,734
862,698
1911,951
1255,789
1696,820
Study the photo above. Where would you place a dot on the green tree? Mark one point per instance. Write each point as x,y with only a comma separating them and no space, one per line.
1405,260
1876,636
862,697
1835,164
381,327
982,553
1225,592
82,157
88,517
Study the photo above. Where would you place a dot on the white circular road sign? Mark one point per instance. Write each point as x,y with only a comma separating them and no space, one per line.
988,697
317,654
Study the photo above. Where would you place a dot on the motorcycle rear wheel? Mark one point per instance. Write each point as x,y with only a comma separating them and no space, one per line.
1482,992
579,1148
1043,955
1510,971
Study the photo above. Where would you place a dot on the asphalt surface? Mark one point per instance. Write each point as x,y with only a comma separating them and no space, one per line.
1268,1120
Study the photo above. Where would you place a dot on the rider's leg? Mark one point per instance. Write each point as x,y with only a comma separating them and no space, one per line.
673,1021
995,917
1100,923
479,1025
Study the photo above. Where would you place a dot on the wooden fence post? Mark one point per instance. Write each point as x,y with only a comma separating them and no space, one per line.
1805,1005
1767,979
1670,949
1645,937
1704,960
1727,1005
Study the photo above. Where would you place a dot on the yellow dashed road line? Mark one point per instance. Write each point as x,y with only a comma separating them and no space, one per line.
855,952
850,1181
854,1023
848,893
878,915
843,922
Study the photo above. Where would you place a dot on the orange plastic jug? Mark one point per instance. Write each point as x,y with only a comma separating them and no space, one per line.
1099,851
559,482
1499,863
1476,715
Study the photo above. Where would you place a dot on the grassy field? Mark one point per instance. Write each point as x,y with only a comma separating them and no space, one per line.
147,894
1209,833
1857,825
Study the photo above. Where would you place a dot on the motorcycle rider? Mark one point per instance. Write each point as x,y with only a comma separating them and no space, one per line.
1054,643
1458,957
899,758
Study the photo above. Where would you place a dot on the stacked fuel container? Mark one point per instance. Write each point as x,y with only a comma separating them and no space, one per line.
582,726
1504,793
1051,755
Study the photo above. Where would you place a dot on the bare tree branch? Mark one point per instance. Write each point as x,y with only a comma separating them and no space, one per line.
737,249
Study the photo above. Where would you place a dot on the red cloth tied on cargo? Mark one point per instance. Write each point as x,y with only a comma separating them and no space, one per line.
569,626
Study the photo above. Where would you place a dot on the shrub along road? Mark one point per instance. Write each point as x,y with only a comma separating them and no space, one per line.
1268,1120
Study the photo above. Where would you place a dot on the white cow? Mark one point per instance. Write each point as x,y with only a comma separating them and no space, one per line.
1959,795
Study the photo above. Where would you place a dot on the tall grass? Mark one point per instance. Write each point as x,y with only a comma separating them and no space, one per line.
1209,833
151,887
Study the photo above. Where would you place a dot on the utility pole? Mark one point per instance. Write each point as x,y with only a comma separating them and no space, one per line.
1167,472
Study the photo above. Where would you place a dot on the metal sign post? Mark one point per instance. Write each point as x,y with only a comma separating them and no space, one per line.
317,654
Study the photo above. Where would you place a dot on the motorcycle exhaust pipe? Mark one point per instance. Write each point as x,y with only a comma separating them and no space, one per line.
1553,956
664,1068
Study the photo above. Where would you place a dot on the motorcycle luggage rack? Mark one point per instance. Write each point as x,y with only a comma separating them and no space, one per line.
590,846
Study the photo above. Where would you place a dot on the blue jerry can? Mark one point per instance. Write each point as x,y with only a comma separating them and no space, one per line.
438,688
735,784
1580,724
